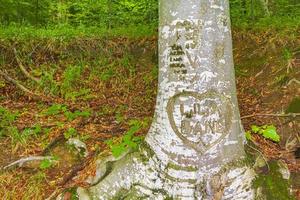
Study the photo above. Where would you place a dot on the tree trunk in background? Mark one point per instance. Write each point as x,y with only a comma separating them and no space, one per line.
244,7
194,148
265,6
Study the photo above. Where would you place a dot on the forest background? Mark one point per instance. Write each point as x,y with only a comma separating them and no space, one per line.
96,16
87,70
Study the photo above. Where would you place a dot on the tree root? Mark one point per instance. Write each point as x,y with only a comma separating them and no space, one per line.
141,175
22,161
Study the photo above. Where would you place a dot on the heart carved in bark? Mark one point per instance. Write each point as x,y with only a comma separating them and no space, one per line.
201,121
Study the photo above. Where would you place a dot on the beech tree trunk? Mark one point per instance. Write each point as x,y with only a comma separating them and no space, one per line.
195,146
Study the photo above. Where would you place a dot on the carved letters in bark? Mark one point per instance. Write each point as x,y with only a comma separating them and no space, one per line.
201,121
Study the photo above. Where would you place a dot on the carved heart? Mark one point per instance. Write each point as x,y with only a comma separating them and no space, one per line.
201,121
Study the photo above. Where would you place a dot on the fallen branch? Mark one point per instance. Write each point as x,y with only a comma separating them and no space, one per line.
22,161
271,115
20,86
23,69
29,93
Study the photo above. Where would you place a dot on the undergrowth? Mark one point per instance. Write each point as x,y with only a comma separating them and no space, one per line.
67,32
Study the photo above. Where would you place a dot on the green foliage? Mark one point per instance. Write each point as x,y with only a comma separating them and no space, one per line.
128,140
107,74
252,13
101,13
294,106
71,76
273,185
281,80
287,54
47,83
71,132
55,109
267,131
73,192
28,132
73,115
48,163
7,128
112,14
6,119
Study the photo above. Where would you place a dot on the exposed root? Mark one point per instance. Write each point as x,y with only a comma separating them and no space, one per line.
141,175
22,161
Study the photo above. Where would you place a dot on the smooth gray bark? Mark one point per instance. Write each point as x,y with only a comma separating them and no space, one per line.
194,148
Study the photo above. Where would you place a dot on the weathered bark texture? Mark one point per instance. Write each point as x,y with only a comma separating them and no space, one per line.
194,148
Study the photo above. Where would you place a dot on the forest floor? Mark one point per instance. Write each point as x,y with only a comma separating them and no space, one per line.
97,89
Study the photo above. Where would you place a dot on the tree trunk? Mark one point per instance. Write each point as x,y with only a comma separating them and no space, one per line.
195,146
265,6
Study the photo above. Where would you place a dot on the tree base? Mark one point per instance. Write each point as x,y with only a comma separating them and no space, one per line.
140,175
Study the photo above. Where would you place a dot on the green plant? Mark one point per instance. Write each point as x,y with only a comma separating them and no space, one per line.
28,132
267,131
55,109
6,119
281,80
73,192
71,78
7,128
48,163
73,115
107,74
272,184
128,140
71,132
287,54
47,82
83,92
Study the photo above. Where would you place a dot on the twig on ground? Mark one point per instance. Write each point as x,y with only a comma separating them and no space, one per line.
271,115
27,91
23,69
22,161
20,86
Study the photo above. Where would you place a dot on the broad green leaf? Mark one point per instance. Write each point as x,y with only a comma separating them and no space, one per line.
271,133
118,150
